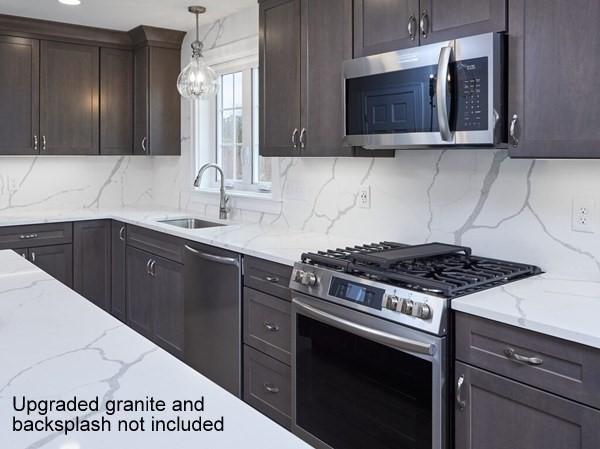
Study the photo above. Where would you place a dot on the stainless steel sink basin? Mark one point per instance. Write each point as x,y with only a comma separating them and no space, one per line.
191,223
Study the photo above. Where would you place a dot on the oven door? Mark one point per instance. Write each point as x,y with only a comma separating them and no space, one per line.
360,381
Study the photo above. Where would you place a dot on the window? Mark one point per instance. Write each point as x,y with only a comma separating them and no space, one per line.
236,143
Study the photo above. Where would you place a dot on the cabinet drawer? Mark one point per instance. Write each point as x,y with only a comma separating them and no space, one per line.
268,277
267,324
15,237
558,366
268,386
157,243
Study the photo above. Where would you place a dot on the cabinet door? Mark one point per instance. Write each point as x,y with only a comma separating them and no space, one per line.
279,86
383,25
167,310
139,291
19,91
116,101
326,44
500,413
69,82
140,108
56,260
451,19
92,261
118,270
164,102
552,87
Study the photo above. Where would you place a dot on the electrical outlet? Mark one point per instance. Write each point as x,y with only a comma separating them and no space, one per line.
584,215
364,197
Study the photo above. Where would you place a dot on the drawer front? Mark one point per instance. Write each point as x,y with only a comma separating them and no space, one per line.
267,277
157,243
15,237
267,324
558,366
268,386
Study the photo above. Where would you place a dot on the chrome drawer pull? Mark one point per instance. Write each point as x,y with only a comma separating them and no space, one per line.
459,383
28,236
271,327
272,279
511,354
271,388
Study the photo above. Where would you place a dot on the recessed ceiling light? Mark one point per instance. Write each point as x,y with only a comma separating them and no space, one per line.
70,2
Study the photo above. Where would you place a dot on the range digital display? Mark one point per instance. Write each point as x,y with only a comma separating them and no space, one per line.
360,294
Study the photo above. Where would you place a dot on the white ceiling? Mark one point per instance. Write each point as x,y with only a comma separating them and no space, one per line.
124,14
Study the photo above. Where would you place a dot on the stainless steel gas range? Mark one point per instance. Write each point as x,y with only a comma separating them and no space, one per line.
371,336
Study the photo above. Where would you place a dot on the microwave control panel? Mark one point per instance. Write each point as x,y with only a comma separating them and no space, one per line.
472,94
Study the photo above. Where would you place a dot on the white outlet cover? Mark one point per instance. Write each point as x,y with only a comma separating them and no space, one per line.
364,197
584,215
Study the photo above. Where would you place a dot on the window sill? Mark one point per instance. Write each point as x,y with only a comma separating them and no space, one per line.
240,199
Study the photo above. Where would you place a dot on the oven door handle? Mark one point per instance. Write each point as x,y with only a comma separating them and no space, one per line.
403,344
442,94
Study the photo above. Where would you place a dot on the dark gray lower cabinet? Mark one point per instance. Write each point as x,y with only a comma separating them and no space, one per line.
118,268
55,260
155,299
91,256
500,413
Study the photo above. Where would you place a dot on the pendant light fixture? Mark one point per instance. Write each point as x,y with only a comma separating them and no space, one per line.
197,80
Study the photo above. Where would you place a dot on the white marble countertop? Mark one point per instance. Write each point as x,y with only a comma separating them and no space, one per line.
563,308
54,344
276,244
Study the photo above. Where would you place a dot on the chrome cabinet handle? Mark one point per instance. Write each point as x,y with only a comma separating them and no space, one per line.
153,268
459,401
442,93
302,135
294,138
412,25
148,266
33,256
272,279
122,233
424,24
43,143
28,236
213,258
271,388
511,354
513,130
271,327
144,142
35,142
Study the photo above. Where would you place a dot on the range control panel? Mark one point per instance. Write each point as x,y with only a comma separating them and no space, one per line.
472,93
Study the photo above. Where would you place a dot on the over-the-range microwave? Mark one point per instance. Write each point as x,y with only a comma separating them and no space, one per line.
444,94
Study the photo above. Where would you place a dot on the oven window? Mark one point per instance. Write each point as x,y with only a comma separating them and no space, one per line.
354,393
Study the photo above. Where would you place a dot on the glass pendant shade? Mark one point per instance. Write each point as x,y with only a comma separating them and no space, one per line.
197,80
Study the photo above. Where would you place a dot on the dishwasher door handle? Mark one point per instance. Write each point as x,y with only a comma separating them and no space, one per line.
401,343
212,258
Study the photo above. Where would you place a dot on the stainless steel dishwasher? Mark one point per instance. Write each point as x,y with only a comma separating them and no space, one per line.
213,327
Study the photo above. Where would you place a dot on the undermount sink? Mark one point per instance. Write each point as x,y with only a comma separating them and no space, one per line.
191,223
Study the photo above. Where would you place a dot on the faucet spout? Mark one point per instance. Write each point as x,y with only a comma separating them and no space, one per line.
224,200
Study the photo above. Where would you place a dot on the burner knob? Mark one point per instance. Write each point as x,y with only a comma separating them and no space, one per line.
407,307
391,302
425,312
309,279
298,276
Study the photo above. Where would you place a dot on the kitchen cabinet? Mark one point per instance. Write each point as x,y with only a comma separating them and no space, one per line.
155,299
19,95
116,101
496,413
56,260
118,238
92,261
387,25
301,100
552,89
69,97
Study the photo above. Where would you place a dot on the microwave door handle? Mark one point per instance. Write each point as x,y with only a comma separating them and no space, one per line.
394,341
443,114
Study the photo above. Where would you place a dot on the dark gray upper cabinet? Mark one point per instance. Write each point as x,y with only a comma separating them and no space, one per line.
384,25
118,237
116,101
451,19
69,84
91,254
55,260
279,41
19,96
553,58
140,110
498,413
302,46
